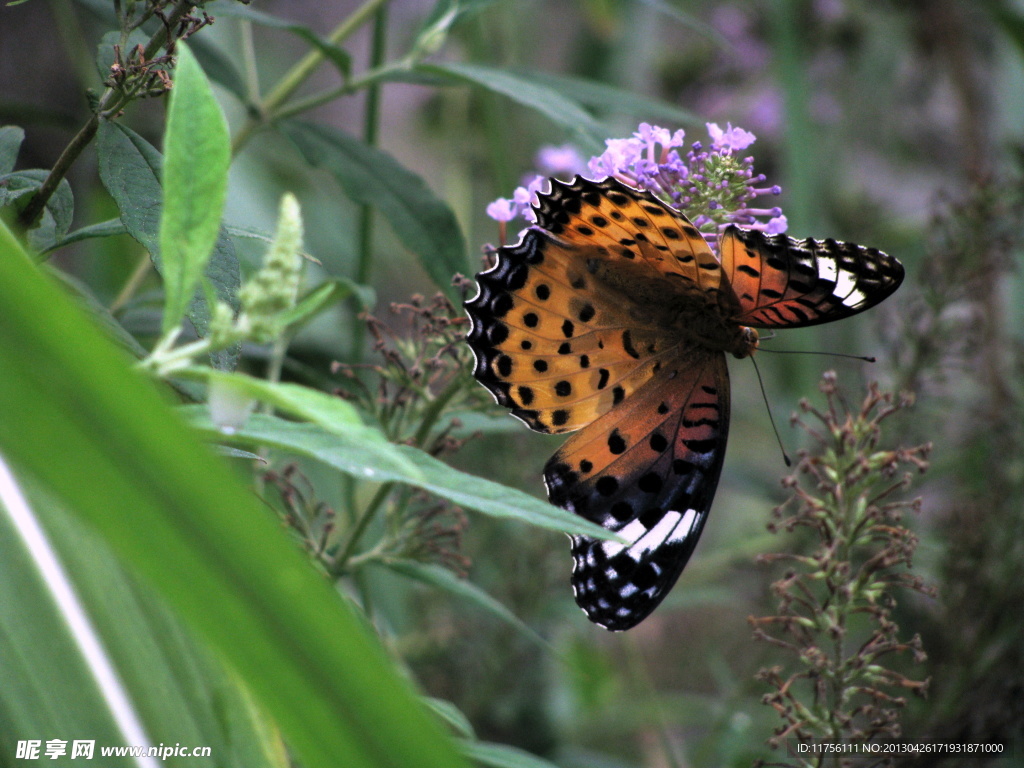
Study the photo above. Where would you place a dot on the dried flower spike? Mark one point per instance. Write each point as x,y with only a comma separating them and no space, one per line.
836,604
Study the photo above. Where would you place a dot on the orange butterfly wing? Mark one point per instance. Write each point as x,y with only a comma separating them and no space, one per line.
781,282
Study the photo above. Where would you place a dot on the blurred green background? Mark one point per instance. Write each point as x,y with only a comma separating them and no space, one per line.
893,124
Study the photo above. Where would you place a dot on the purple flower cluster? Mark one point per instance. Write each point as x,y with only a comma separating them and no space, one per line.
713,187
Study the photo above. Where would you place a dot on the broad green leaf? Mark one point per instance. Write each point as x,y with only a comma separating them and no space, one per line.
558,107
51,690
179,518
130,168
20,185
11,137
423,222
608,98
45,686
197,153
501,755
344,452
442,578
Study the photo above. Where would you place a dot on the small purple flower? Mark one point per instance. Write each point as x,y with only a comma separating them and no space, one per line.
652,135
713,187
565,159
619,155
731,138
776,225
502,210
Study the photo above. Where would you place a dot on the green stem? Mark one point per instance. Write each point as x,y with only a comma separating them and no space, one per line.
360,527
371,124
298,74
368,78
434,411
791,72
250,70
430,418
136,279
30,213
109,105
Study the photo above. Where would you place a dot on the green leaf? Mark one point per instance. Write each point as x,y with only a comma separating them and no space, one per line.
180,519
18,187
442,578
11,137
608,98
330,412
197,152
130,168
100,314
108,228
451,715
688,20
51,687
558,107
423,222
319,299
501,755
404,464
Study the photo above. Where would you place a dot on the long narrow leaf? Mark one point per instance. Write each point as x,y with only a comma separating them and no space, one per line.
52,689
611,99
343,451
560,108
443,579
102,441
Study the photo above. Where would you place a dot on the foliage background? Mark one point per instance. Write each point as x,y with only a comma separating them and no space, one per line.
891,124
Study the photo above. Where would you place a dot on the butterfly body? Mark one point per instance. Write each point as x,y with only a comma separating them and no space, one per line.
611,318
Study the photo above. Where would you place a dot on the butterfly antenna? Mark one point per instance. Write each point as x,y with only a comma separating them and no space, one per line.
778,438
864,358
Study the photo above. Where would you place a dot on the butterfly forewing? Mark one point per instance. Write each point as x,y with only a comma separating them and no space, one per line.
630,225
781,282
648,471
572,319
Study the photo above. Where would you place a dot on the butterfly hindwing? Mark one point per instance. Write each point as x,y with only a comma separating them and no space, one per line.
781,282
647,470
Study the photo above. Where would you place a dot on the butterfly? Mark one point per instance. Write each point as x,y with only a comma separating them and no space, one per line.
611,318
